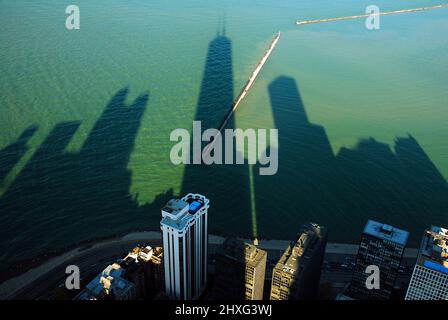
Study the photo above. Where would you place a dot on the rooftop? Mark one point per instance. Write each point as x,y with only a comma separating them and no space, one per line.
238,250
386,232
195,206
143,253
109,281
434,249
179,223
297,252
175,208
178,212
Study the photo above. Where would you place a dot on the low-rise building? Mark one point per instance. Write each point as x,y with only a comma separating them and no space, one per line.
138,276
109,284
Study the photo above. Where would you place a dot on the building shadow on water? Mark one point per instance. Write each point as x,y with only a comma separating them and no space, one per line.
227,186
302,187
62,198
85,195
11,154
400,187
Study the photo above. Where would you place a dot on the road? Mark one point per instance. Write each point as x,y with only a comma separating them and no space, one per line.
39,282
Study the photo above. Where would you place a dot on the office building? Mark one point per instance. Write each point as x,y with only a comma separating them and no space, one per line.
430,277
296,276
239,271
185,240
383,246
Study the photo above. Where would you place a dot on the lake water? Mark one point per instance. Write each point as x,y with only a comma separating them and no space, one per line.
86,117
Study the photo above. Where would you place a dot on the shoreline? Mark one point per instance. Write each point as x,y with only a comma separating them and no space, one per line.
14,285
21,266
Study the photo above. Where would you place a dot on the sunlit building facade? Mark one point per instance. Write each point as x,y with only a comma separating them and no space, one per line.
185,240
239,271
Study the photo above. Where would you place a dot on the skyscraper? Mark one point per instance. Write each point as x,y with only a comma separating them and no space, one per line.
239,271
383,246
185,239
430,277
297,273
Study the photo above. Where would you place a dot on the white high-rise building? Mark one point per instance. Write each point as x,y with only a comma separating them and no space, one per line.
185,240
430,277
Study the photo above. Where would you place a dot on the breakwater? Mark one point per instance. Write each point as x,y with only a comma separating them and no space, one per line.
245,89
304,22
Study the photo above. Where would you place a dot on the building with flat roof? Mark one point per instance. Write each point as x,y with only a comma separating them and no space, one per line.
430,276
383,246
185,241
109,285
239,271
296,275
386,232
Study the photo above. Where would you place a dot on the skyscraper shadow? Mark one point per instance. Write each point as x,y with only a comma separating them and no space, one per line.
342,191
399,186
302,188
11,154
60,197
227,186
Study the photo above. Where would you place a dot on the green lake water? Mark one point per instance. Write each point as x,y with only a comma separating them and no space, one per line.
86,117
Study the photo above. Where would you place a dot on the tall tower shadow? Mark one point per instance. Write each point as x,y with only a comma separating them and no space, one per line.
302,187
398,185
227,186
